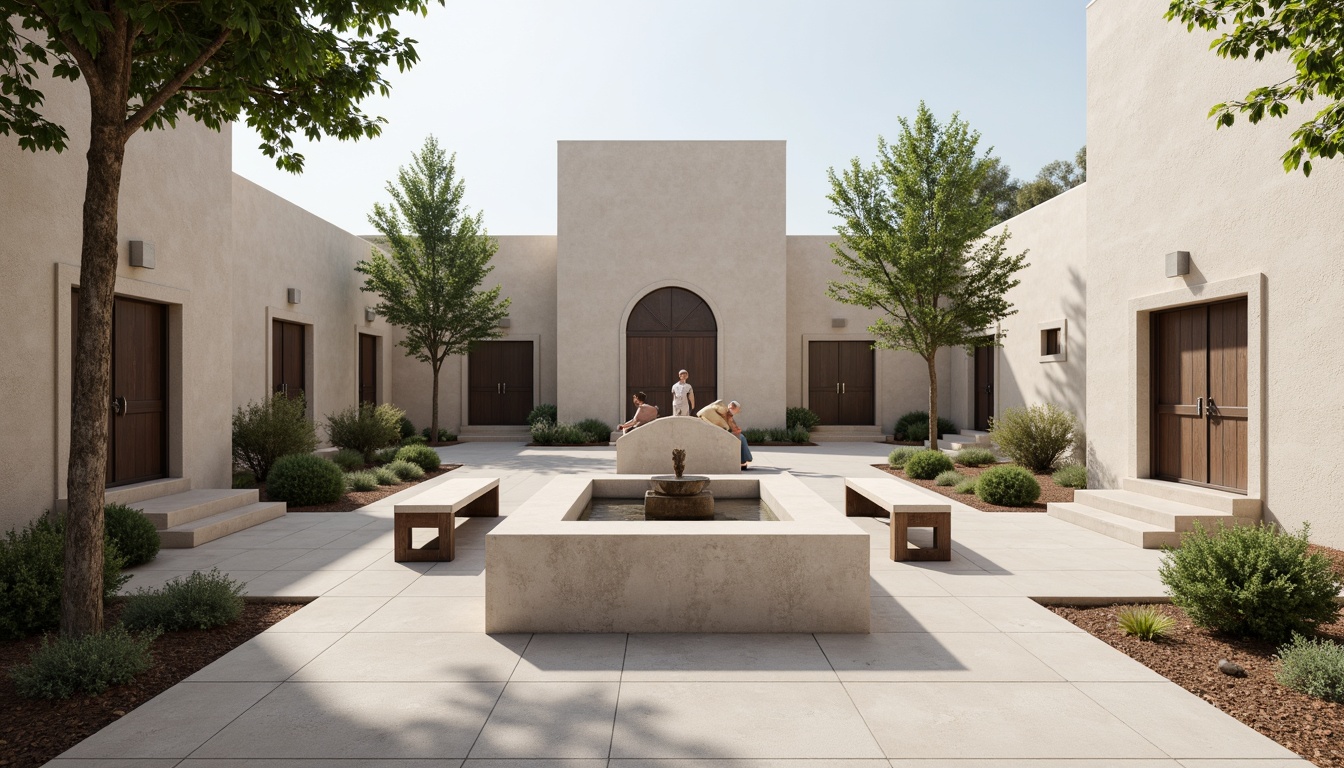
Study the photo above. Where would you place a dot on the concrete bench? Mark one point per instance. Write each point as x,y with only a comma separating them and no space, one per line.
436,508
647,450
908,508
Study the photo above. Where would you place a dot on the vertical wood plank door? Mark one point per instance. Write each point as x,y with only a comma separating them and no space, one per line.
984,387
368,368
138,433
499,383
858,392
668,330
288,359
1228,405
823,381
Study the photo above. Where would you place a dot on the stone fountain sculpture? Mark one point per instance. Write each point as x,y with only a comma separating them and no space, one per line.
678,496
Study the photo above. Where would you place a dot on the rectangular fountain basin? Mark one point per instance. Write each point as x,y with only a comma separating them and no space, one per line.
548,570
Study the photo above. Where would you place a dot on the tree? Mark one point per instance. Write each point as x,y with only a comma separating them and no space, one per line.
1312,32
912,243
1054,179
1000,187
291,67
440,255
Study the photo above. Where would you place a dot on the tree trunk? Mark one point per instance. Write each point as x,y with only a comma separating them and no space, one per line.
933,401
434,410
82,587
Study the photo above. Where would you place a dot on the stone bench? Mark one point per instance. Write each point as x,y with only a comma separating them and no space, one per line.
908,508
436,508
647,450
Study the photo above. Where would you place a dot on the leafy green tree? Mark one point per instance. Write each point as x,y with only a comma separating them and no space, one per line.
912,243
1311,32
1000,187
429,284
300,67
1054,179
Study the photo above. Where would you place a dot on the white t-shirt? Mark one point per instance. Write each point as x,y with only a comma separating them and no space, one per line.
679,393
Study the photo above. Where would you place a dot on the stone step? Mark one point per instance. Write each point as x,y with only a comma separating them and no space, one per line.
198,532
181,508
1128,530
489,434
1167,514
132,495
1220,501
847,434
980,437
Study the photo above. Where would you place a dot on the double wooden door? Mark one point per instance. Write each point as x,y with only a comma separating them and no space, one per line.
668,330
984,387
1200,403
289,358
368,368
499,383
840,382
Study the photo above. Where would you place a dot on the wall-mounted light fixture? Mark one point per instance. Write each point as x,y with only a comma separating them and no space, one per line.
370,314
295,295
142,254
505,322
1178,263
839,322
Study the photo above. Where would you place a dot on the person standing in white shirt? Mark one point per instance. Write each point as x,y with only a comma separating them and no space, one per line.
683,395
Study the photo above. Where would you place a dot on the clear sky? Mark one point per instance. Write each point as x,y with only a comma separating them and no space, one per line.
501,81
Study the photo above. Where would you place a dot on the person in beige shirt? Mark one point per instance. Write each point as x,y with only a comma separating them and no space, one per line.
721,414
644,413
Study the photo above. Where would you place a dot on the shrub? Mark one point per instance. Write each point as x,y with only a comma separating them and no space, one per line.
927,464
598,431
965,486
265,431
349,459
1251,581
897,458
305,480
1313,667
1071,476
244,479
914,426
755,435
975,457
405,427
1144,622
949,478
89,664
543,412
387,455
1036,437
444,437
778,435
801,417
421,455
1008,486
385,476
196,601
550,433
405,470
361,481
31,568
365,428
134,536
799,434
414,440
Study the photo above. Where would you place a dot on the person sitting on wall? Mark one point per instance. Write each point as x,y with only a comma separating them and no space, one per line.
721,414
683,396
644,413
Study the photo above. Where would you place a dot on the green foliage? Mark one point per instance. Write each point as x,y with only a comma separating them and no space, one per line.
131,533
1251,581
949,478
915,426
975,457
1008,486
927,464
304,480
1311,32
1313,667
1144,622
897,458
965,486
349,459
444,437
778,435
1054,179
244,479
598,431
385,475
801,417
90,664
421,455
405,470
196,601
1071,476
755,436
406,427
1036,437
31,570
361,481
265,431
365,428
551,433
799,434
543,412
388,454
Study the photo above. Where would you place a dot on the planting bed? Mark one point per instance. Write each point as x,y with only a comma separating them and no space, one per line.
1050,490
353,500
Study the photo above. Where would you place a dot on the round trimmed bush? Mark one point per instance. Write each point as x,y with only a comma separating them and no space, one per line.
361,481
543,412
421,455
304,480
914,426
348,459
926,465
806,418
897,458
975,457
132,532
1008,485
385,476
405,470
32,566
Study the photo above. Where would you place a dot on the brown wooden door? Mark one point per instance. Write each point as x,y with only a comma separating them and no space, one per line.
137,447
368,368
823,381
499,383
984,386
288,359
1200,404
668,330
840,382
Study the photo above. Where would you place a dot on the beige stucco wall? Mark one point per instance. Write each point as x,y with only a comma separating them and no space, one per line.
703,215
1161,180
175,192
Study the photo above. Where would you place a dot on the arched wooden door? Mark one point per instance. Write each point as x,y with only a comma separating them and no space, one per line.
670,329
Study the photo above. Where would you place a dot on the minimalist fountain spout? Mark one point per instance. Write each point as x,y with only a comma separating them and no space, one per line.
678,462
678,496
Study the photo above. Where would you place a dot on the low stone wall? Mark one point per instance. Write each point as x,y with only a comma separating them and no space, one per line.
648,449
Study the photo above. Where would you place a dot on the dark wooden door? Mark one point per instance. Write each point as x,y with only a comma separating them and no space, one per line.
499,383
840,382
288,359
368,368
1200,404
984,386
137,435
668,330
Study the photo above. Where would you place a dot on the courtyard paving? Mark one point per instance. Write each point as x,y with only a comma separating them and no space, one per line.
390,665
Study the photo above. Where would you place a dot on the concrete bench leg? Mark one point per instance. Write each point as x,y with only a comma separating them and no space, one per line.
439,549
485,505
940,522
858,505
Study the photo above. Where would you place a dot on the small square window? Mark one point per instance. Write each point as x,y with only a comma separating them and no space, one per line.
1054,341
1050,341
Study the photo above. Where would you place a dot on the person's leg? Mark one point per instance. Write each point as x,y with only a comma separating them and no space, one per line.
746,452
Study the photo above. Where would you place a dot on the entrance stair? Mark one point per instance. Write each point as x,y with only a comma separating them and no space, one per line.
1153,514
847,434
492,434
967,438
188,518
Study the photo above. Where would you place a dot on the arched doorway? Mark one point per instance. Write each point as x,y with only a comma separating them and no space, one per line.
670,329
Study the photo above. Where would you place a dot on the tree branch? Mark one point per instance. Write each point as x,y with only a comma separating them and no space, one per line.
81,56
136,121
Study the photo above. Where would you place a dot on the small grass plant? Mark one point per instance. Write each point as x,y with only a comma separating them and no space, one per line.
965,486
1314,666
596,430
949,478
386,476
897,458
975,457
1071,476
348,459
405,470
361,481
89,665
421,455
1145,622
196,601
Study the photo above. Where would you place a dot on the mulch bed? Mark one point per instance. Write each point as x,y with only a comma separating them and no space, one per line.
1050,490
353,500
33,731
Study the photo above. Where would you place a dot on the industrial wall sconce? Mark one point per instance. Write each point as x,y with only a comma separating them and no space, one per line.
370,314
295,295
505,322
142,254
839,322
1178,263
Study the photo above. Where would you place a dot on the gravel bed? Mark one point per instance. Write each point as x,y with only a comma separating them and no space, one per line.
353,500
1050,490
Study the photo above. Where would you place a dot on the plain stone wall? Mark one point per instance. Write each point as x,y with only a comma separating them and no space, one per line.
647,450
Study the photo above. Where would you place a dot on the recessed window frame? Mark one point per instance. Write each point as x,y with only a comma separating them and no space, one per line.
1061,330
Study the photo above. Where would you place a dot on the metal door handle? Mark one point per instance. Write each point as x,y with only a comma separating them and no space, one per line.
842,388
837,387
505,385
117,406
1199,407
1213,407
497,391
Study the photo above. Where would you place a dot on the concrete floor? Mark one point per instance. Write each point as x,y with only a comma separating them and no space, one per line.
391,667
